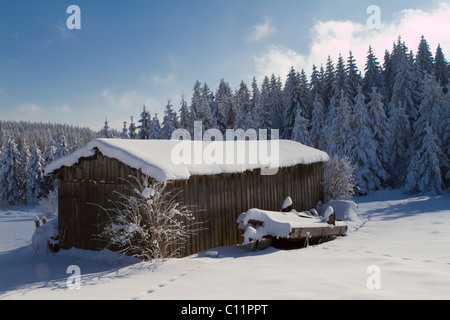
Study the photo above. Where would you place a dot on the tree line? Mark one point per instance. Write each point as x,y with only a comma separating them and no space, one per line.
392,122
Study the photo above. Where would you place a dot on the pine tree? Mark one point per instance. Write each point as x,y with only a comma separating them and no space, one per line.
205,111
224,98
404,92
369,171
254,105
265,115
132,129
353,80
36,187
168,122
300,131
339,130
61,148
424,58
292,103
441,69
155,128
424,171
9,182
276,102
328,82
379,126
22,171
316,82
317,132
400,141
340,80
446,135
49,156
184,114
430,109
106,132
244,104
144,127
124,134
195,108
372,76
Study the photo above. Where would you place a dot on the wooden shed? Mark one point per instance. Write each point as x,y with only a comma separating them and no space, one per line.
219,185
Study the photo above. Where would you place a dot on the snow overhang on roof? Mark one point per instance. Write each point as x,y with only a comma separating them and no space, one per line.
178,160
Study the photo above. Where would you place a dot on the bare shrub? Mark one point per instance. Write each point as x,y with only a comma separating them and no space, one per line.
339,179
149,224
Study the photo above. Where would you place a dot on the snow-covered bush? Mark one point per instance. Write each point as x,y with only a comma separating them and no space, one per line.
49,204
45,238
149,224
339,179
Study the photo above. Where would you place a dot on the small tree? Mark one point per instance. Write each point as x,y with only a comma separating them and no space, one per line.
149,224
339,179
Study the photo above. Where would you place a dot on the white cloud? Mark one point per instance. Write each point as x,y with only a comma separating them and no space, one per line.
331,38
130,100
171,78
261,31
277,60
64,109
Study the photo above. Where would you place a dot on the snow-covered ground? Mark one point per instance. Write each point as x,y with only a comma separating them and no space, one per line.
403,245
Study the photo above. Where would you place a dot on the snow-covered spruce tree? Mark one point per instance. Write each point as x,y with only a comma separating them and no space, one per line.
339,178
276,102
106,132
49,155
379,126
446,137
194,110
399,145
353,80
124,134
9,183
424,170
254,105
206,113
317,132
224,97
167,126
243,111
265,115
369,171
184,114
155,128
62,148
339,132
441,73
424,58
132,129
149,223
292,103
372,76
35,187
144,127
300,132
22,171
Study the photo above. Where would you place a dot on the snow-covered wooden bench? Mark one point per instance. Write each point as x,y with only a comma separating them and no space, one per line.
258,224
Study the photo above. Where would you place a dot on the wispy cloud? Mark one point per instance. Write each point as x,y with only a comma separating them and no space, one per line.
130,100
261,31
170,78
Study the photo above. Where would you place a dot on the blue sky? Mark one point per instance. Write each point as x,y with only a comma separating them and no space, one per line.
135,52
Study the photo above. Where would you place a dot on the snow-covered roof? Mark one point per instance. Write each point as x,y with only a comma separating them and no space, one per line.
178,160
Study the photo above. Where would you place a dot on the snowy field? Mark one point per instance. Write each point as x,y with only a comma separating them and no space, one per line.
403,245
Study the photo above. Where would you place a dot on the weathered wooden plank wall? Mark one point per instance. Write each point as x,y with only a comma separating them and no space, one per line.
218,199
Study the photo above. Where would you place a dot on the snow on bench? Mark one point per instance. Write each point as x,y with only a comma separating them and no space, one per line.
257,223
